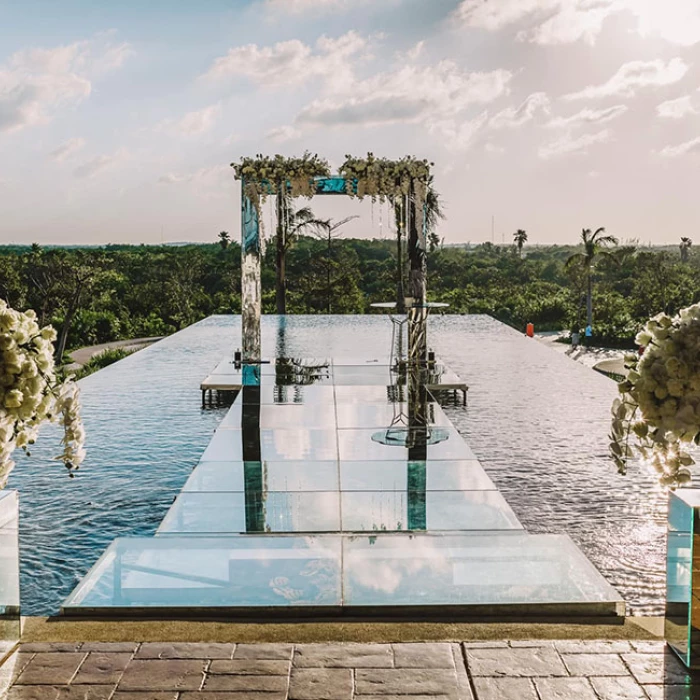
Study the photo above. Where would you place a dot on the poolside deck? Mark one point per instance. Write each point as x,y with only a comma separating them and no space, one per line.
311,500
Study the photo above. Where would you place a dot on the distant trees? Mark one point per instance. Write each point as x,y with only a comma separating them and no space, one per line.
594,244
520,238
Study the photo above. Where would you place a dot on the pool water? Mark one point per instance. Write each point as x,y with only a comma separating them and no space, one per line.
537,421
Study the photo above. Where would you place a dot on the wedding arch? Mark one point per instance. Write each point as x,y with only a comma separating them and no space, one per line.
403,182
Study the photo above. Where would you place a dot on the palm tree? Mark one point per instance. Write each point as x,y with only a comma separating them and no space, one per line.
520,238
224,240
327,230
291,224
685,245
593,247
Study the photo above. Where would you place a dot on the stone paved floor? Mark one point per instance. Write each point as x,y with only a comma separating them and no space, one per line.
560,670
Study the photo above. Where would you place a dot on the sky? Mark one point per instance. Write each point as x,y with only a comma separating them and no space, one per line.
119,121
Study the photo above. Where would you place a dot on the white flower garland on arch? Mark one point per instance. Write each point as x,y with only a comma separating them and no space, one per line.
30,392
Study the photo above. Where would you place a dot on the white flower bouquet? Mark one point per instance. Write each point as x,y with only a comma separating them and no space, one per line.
659,406
31,393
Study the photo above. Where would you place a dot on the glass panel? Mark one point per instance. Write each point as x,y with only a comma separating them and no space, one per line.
9,572
279,476
363,445
377,415
427,510
252,572
679,573
199,572
371,394
251,512
275,445
284,416
493,569
393,476
298,394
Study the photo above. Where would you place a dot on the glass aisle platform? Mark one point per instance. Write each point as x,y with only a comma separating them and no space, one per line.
314,498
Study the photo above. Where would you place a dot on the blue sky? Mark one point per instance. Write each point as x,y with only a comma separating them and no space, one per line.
118,120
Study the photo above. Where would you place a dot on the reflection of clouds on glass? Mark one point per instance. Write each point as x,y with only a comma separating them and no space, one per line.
385,569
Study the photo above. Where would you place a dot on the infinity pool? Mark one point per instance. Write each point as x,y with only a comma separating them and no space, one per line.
537,421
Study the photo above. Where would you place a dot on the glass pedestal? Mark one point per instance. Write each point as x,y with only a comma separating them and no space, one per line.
682,625
9,572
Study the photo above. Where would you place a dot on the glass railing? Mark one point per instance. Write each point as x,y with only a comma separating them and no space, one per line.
9,572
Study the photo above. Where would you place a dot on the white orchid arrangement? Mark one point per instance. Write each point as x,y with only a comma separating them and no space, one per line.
264,175
31,393
381,178
659,406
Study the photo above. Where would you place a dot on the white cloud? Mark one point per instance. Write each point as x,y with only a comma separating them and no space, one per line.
493,149
676,109
412,94
34,83
291,62
570,144
67,149
517,116
588,116
567,21
97,164
682,149
192,123
633,76
283,133
208,182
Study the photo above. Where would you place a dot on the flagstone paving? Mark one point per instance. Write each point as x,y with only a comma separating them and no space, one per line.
540,670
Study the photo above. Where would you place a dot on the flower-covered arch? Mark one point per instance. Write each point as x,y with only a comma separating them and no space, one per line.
403,182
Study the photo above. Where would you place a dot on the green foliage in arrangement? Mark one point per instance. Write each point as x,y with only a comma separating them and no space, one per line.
97,295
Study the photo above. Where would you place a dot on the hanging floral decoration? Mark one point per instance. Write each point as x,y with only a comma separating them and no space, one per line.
381,178
264,175
31,393
659,407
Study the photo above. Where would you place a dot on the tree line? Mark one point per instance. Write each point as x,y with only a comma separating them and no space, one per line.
99,294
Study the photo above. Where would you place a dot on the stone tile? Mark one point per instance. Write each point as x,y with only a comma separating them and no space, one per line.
260,684
484,645
110,647
541,661
600,646
102,668
463,684
250,667
32,692
51,668
321,684
44,647
424,655
656,669
15,664
203,695
504,689
343,656
650,647
153,695
672,692
564,689
86,692
184,650
264,651
594,665
617,688
411,697
405,681
530,643
163,674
